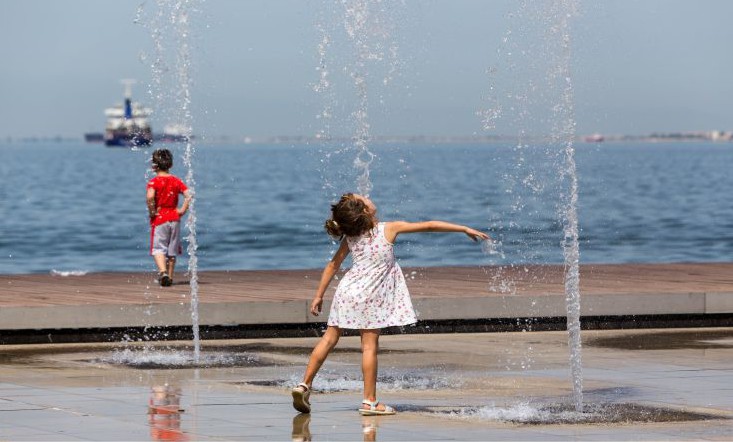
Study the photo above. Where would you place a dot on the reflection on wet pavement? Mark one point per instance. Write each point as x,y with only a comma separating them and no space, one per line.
164,414
301,427
667,340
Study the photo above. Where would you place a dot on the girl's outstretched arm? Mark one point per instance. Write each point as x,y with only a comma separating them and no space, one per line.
394,228
332,267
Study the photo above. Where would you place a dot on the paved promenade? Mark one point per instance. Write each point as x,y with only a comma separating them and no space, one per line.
668,385
235,298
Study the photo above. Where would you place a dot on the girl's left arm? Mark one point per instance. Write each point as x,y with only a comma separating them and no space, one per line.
394,228
329,271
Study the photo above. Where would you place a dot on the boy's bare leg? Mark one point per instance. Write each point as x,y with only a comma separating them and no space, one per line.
159,259
320,353
171,265
369,348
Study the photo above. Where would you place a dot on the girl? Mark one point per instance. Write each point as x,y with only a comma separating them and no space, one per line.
372,295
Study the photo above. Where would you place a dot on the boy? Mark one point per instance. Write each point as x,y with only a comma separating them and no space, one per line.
165,216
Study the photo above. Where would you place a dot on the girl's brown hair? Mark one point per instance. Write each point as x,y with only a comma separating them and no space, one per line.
350,217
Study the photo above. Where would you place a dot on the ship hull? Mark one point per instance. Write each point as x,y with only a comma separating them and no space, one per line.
125,139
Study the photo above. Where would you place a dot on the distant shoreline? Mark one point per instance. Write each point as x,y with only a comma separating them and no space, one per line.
682,137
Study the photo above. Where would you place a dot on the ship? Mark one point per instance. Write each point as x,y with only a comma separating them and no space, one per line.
174,133
594,138
127,123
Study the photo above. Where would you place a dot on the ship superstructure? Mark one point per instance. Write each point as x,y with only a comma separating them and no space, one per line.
127,123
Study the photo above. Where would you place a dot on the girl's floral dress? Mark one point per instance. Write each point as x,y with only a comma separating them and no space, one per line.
373,293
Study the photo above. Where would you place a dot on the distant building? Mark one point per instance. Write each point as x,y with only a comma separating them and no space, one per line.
594,138
719,135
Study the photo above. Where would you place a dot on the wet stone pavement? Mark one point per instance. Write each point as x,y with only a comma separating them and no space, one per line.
638,385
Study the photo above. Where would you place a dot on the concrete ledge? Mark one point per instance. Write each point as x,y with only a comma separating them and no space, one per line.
296,312
647,304
719,302
489,325
282,298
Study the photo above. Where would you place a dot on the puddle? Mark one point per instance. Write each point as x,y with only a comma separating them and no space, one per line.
142,355
387,382
295,350
610,394
32,355
563,414
666,340
178,359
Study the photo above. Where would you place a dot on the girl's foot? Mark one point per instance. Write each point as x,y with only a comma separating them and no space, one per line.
301,397
374,408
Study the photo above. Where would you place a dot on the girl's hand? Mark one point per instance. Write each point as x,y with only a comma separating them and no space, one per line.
475,234
181,212
316,306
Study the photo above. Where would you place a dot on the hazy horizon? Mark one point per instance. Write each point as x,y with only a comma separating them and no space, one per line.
638,67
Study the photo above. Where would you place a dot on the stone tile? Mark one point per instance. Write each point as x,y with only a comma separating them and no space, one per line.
38,436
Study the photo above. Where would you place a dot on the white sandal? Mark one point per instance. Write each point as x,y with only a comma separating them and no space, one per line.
373,411
301,397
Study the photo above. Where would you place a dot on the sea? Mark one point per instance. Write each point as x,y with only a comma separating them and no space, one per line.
74,208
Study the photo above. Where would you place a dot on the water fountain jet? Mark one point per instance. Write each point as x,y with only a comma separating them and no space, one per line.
555,100
367,25
171,87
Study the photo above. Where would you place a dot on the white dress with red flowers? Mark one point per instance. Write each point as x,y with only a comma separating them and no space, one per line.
373,293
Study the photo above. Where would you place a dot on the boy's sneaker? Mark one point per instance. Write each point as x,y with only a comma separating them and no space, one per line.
165,280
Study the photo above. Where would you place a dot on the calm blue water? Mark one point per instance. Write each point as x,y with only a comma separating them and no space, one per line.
80,207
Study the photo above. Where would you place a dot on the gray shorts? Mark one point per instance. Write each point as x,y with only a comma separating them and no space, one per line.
166,239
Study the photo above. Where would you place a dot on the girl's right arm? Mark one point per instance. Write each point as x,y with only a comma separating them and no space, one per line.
394,228
331,269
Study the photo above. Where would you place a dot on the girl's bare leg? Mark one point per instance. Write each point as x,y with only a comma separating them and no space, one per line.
320,353
369,348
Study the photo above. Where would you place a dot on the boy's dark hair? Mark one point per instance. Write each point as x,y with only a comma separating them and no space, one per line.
163,159
350,217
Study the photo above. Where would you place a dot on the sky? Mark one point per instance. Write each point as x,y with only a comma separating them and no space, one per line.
638,66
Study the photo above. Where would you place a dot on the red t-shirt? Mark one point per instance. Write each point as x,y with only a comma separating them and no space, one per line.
167,188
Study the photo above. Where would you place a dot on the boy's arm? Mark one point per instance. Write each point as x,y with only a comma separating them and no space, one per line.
328,272
150,198
187,195
392,229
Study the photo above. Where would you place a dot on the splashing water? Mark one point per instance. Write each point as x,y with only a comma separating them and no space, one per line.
152,357
66,273
516,413
356,21
368,27
180,15
566,9
544,53
324,82
390,380
171,85
563,414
